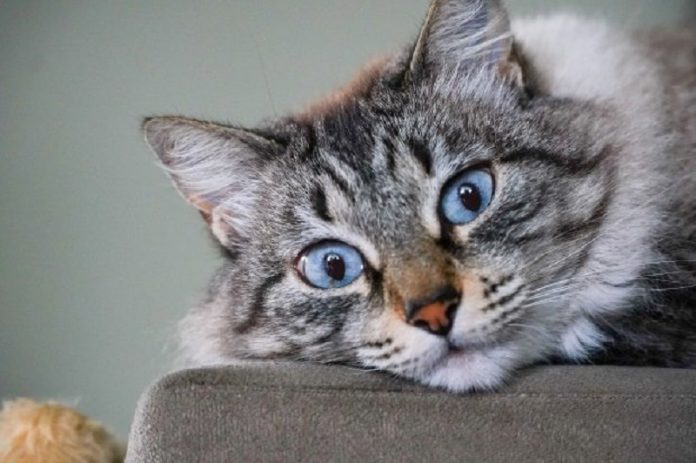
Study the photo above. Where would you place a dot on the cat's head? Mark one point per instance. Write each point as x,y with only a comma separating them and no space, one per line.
422,221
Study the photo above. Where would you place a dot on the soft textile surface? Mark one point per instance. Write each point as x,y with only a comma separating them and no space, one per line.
268,412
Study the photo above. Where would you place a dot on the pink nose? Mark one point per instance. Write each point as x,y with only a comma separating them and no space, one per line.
434,313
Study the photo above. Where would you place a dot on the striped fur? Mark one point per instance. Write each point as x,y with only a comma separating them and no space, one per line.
586,253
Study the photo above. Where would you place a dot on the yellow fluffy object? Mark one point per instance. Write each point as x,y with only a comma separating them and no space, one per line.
32,432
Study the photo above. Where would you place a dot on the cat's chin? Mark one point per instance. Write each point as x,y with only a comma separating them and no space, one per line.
472,370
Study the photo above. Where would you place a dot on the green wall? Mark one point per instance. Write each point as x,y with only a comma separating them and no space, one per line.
99,257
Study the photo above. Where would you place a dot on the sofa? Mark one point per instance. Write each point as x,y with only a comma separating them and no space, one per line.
283,412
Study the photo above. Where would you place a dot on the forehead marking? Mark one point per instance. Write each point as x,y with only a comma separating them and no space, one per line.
383,158
422,154
341,175
320,205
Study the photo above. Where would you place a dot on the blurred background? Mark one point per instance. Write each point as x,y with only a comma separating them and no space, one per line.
99,257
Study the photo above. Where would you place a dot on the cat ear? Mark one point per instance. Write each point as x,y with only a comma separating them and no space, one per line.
465,34
214,167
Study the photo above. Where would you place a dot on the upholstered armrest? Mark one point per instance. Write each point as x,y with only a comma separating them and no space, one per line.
263,412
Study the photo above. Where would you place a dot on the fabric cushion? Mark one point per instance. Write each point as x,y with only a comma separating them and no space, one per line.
281,412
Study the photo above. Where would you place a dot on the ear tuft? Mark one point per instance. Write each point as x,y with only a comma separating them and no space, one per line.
215,167
465,35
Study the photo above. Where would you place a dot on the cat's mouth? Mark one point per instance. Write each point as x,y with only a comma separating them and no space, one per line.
463,351
458,354
474,366
462,344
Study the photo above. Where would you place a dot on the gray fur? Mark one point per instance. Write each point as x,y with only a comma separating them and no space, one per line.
586,254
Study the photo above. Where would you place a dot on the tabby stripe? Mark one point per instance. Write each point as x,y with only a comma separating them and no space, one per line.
566,231
592,224
320,205
422,155
311,137
257,305
340,182
511,213
570,230
505,315
390,149
376,282
337,310
527,238
446,242
572,166
335,329
503,300
508,217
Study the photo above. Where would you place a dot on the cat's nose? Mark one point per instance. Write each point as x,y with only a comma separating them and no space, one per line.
435,312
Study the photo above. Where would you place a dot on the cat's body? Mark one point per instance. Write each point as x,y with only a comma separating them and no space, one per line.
476,205
649,78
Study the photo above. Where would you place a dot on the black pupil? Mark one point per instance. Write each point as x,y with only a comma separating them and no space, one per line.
335,267
470,197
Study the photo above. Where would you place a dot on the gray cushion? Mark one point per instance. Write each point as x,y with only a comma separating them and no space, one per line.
268,412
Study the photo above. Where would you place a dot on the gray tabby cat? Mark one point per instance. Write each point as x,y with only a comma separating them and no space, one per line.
493,196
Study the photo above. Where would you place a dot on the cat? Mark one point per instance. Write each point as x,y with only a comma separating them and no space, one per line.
494,196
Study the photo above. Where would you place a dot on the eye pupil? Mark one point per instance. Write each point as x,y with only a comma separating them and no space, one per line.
335,267
329,265
466,196
470,197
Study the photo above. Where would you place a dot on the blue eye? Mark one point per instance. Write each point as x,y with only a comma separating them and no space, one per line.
466,196
330,264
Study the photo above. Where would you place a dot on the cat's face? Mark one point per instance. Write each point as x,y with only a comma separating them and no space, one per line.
424,226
